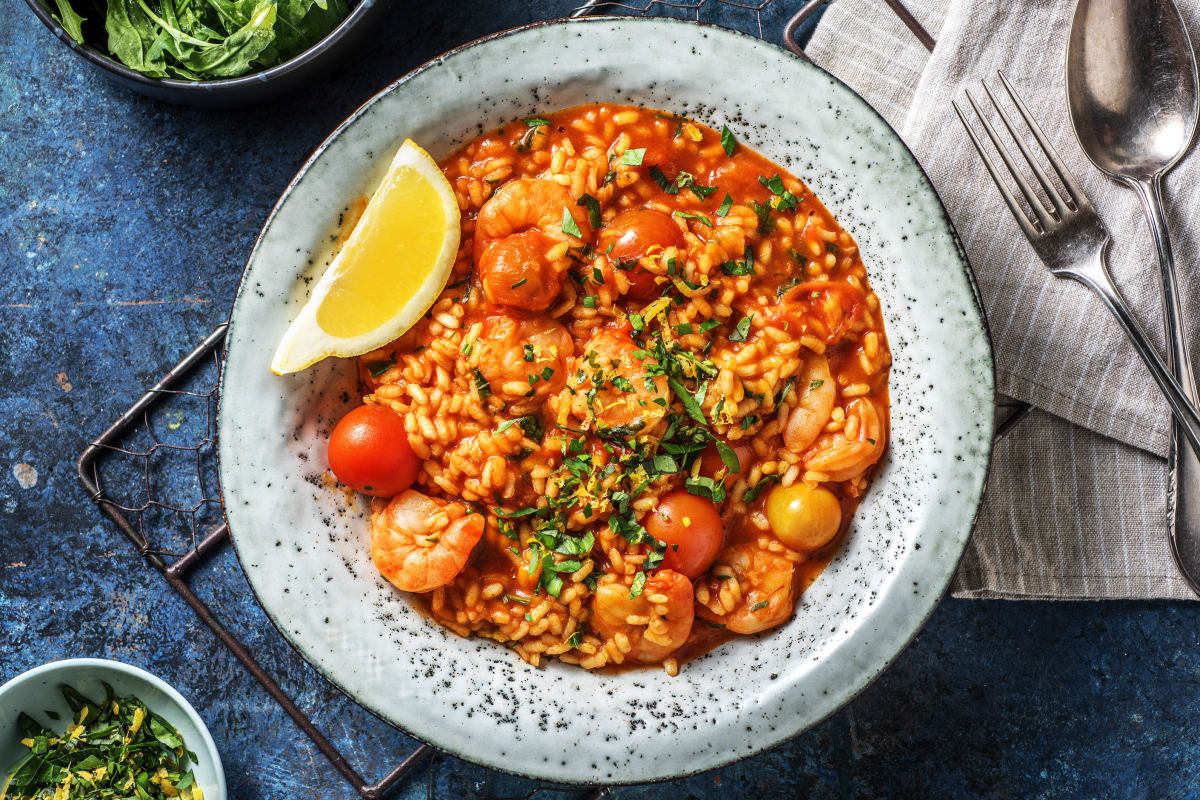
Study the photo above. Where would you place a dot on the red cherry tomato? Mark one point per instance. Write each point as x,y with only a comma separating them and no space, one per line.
691,527
630,234
369,452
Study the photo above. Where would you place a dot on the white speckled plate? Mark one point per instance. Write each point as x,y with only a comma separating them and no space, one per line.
306,554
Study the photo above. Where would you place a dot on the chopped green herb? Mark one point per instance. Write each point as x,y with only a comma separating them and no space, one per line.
742,330
786,390
703,220
481,384
749,421
569,226
575,639
536,122
684,329
786,285
593,209
743,267
727,140
759,605
758,488
519,283
689,402
832,248
763,212
636,322
528,352
639,584
668,186
774,184
728,456
512,598
379,367
706,487
709,324
633,156
726,204
589,301
816,384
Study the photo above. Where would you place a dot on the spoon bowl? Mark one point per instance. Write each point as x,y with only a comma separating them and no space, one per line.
1131,85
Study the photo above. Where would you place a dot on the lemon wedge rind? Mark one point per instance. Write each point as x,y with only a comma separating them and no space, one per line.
306,342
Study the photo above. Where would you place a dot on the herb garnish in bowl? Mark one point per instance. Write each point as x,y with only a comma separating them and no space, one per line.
114,749
202,39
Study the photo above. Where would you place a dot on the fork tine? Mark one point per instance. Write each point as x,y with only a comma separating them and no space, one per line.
1040,212
1038,172
1064,175
1031,233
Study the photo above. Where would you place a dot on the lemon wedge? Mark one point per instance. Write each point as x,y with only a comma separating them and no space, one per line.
388,273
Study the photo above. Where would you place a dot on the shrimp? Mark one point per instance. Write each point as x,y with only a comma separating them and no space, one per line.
420,543
611,384
750,589
827,310
515,232
841,457
524,360
656,622
817,392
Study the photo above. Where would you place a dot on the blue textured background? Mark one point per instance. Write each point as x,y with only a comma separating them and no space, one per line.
125,224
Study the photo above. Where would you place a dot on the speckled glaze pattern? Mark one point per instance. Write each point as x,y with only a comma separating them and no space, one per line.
304,546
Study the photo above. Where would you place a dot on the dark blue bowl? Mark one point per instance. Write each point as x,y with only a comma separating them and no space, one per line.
256,87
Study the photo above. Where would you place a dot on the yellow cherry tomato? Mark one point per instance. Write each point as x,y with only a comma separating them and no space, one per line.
803,517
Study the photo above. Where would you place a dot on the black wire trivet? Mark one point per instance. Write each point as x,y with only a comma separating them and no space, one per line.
154,435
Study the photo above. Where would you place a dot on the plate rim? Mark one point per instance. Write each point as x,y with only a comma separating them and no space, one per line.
964,263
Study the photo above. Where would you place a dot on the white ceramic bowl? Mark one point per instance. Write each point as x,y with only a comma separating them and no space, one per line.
39,690
306,554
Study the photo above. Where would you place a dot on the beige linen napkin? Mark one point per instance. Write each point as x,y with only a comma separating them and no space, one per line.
1076,498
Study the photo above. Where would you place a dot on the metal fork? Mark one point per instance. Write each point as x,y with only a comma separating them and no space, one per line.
1070,238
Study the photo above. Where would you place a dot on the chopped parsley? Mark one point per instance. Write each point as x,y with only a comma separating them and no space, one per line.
528,352
759,605
519,283
639,585
786,285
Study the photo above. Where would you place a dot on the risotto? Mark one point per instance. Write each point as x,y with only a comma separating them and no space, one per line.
643,410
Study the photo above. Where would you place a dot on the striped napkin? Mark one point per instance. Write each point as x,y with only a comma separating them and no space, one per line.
1076,503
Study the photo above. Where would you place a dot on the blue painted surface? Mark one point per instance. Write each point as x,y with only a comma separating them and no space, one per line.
125,224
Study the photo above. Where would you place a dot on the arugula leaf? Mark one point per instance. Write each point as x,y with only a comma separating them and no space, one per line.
72,23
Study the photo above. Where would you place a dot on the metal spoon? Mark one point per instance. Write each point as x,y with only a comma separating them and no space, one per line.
1132,89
